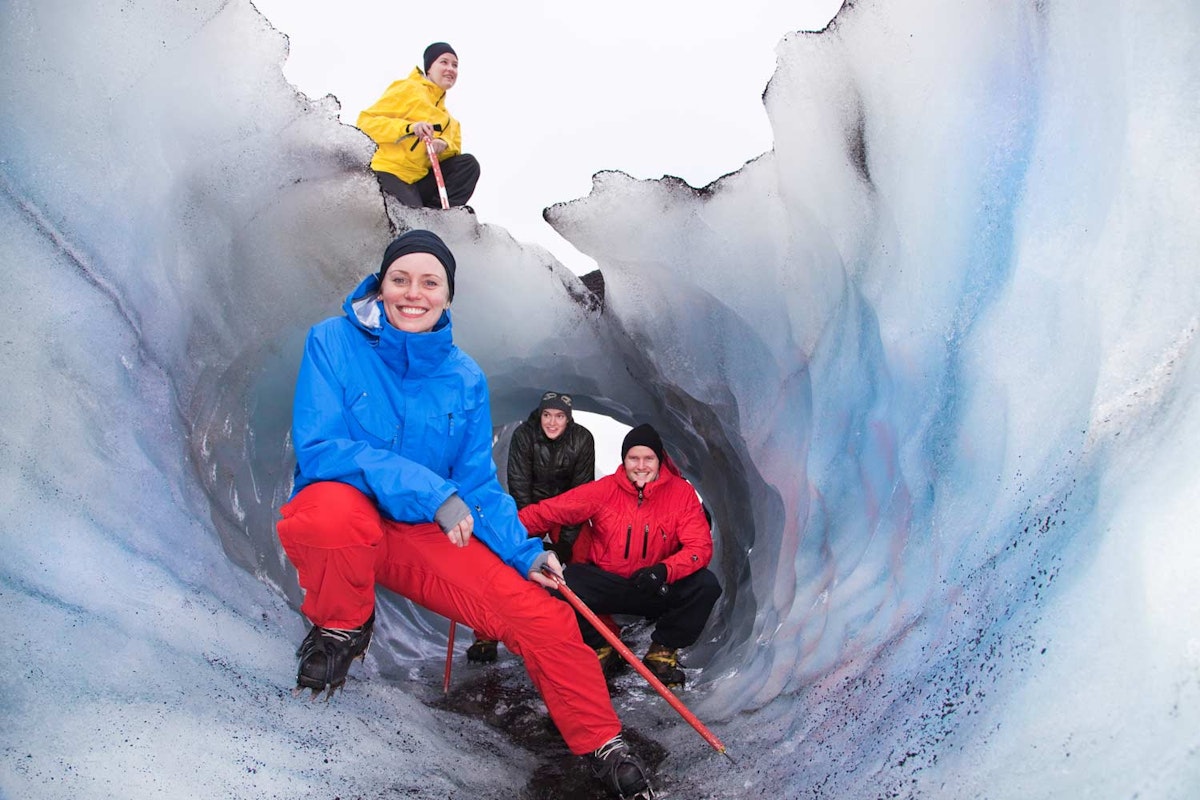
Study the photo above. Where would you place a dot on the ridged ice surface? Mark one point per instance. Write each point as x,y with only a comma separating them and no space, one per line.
931,361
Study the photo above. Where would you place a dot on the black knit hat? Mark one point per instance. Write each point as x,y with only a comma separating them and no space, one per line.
557,400
643,435
434,50
419,241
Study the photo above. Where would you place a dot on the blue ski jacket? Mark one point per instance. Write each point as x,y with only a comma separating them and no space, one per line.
404,418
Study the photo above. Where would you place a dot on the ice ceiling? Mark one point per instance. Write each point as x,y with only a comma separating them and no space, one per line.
931,361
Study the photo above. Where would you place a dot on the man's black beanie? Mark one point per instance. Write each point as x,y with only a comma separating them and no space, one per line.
433,51
643,435
420,241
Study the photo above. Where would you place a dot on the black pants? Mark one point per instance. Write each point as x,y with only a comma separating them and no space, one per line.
680,615
460,174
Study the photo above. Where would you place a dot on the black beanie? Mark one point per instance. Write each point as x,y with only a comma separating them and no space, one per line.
557,400
433,51
419,241
646,436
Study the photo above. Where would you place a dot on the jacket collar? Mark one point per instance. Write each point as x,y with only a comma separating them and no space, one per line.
436,92
667,472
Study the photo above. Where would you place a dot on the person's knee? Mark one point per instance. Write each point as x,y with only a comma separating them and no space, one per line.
710,587
328,514
468,164
702,590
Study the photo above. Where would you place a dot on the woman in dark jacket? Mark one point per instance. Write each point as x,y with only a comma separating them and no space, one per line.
549,454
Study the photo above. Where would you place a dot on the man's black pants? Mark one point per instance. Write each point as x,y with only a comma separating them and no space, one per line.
460,174
680,614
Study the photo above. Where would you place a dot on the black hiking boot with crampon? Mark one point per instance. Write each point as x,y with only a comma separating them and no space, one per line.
620,770
482,651
611,663
326,653
663,662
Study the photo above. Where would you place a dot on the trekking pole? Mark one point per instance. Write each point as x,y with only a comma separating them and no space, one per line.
441,184
634,662
449,658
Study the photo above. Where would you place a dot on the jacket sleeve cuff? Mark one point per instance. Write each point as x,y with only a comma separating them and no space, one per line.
539,561
451,512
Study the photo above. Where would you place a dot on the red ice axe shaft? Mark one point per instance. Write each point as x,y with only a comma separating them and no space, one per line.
441,184
636,663
449,659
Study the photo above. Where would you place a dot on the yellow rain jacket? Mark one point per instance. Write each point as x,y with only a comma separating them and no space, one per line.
389,122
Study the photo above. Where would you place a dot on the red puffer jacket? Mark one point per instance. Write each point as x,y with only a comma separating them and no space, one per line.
633,529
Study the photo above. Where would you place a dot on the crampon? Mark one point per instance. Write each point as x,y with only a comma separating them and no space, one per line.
620,771
326,655
664,663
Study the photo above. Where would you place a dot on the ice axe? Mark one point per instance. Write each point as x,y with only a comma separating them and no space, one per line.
441,184
636,663
449,658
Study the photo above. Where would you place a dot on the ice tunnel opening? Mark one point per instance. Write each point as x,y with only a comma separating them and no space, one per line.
709,453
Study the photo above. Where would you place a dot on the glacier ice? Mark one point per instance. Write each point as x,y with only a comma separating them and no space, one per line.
931,361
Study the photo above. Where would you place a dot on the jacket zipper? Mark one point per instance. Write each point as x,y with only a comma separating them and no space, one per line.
629,530
645,539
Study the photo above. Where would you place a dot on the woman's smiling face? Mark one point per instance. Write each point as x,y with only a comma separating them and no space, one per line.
415,292
444,71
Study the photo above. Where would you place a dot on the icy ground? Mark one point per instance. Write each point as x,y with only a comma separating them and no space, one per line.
931,360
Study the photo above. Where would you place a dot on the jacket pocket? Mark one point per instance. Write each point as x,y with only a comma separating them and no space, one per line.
374,416
442,439
660,544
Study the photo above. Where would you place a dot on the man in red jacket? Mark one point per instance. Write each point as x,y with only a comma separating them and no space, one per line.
650,549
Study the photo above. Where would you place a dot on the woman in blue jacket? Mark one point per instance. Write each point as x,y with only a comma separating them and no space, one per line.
395,486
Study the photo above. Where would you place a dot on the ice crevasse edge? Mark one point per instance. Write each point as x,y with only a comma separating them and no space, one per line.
932,360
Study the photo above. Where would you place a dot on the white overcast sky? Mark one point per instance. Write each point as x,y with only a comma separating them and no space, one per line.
549,93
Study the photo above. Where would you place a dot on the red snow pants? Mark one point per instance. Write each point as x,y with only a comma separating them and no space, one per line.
342,547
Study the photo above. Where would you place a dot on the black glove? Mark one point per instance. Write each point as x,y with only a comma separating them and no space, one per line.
651,580
562,548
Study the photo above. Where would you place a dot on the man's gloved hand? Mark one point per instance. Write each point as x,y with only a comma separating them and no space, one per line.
651,580
562,548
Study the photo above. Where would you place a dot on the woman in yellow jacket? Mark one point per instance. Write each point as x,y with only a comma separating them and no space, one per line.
410,110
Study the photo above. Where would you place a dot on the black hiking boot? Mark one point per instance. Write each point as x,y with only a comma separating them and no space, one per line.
664,663
610,661
621,771
483,651
325,656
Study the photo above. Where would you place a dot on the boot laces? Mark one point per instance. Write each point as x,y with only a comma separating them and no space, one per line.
615,745
340,634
